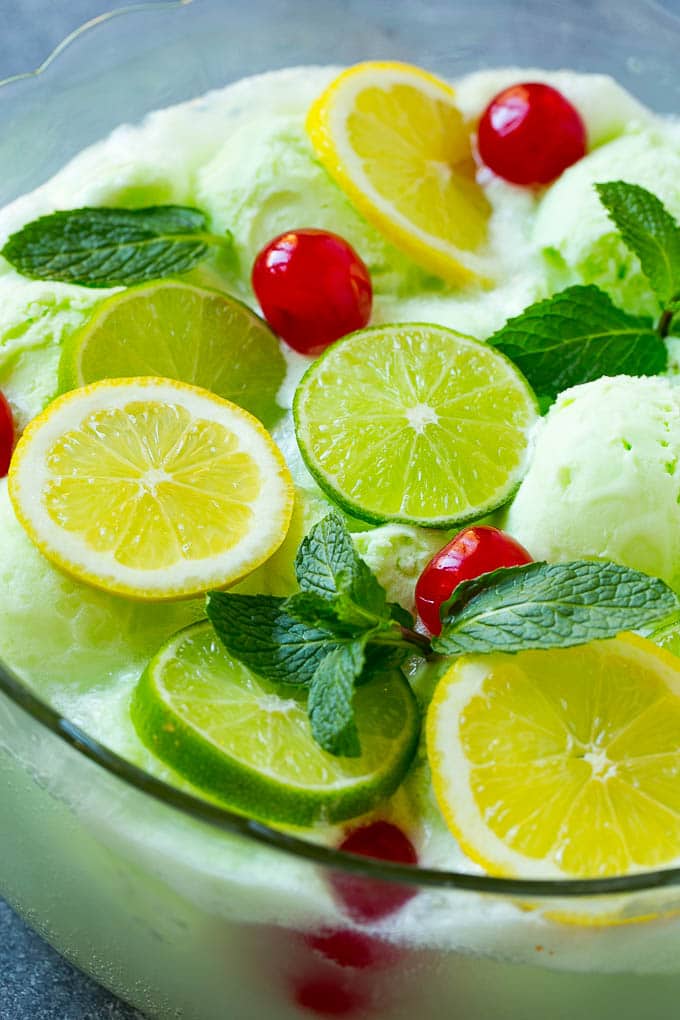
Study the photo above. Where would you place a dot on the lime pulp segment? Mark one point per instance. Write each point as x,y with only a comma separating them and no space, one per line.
415,423
174,330
247,743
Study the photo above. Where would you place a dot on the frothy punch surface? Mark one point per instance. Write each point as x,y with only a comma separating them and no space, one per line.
285,366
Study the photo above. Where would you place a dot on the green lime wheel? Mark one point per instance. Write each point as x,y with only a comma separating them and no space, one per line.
415,423
247,743
174,330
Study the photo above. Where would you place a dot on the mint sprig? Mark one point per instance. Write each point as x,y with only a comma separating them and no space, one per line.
576,336
101,247
550,605
328,564
338,613
651,233
257,631
339,631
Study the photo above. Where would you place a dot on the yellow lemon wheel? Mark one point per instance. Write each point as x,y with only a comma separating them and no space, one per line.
393,139
151,488
561,763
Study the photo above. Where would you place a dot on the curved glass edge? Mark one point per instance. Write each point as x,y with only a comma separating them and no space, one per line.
660,7
222,818
100,19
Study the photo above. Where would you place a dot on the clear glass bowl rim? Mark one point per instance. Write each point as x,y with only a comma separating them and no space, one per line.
222,818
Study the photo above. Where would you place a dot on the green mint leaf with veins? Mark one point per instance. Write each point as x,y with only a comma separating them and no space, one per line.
550,605
314,610
338,613
257,631
337,632
331,700
328,564
100,247
576,336
650,232
312,650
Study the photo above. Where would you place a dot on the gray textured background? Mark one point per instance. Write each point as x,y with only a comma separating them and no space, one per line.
35,983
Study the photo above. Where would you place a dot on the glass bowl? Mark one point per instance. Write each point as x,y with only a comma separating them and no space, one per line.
178,906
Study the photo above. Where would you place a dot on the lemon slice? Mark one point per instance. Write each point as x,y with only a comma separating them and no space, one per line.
392,137
151,488
561,763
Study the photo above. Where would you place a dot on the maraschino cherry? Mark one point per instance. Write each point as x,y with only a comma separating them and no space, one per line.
313,288
529,134
6,436
367,899
472,552
349,947
327,996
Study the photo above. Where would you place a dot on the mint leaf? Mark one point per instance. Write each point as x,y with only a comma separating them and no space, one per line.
329,658
650,232
99,247
315,610
327,563
326,557
401,615
576,336
330,701
338,613
550,605
257,631
381,659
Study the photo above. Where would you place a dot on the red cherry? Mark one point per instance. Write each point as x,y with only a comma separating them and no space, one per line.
529,134
472,552
368,899
6,436
327,996
350,948
313,288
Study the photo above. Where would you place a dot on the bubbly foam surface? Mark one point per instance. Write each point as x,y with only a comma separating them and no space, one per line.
242,154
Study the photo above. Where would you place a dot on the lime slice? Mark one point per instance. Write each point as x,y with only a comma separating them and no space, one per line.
247,742
177,331
415,423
